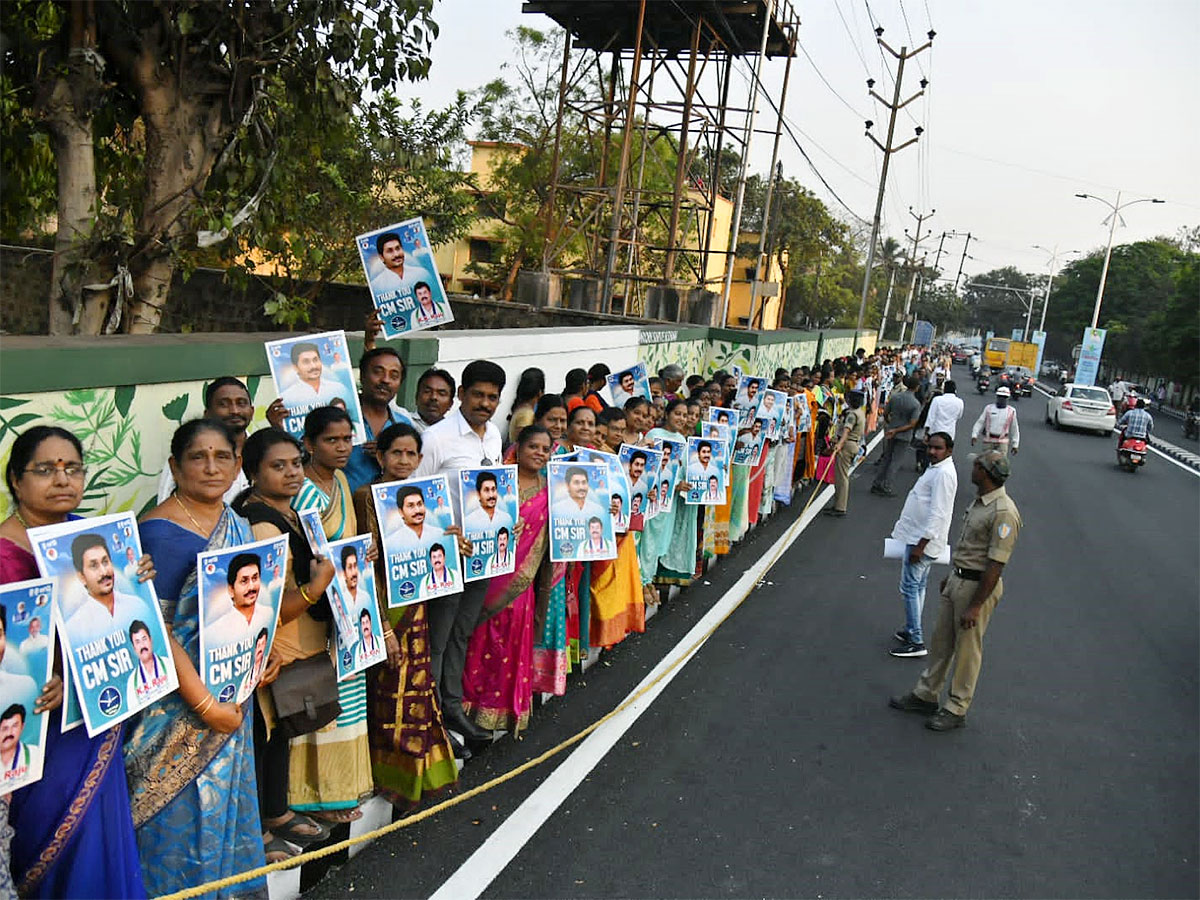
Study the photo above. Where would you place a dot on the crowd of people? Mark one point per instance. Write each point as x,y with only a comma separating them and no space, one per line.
194,789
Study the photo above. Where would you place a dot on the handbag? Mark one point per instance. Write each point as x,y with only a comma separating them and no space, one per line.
305,696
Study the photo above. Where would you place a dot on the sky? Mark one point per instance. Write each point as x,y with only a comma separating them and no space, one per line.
1029,103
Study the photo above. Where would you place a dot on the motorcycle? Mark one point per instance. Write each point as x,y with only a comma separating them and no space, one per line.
1131,453
1191,426
982,383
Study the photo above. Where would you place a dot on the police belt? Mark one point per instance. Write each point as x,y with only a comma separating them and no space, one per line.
968,574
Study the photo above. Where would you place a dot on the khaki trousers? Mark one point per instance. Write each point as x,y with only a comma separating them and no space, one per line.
841,485
953,642
1001,446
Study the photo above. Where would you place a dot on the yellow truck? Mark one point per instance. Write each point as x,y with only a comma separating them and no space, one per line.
995,353
1001,353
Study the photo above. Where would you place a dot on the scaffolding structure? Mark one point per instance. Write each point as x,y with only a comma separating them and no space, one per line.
643,72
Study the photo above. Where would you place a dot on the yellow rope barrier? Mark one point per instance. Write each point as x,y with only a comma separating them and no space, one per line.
310,855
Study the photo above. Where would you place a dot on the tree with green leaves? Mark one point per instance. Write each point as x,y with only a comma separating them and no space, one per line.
996,301
161,114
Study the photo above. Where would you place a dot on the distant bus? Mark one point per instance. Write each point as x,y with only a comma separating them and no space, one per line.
995,354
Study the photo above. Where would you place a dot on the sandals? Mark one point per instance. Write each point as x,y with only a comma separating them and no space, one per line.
291,830
337,816
277,849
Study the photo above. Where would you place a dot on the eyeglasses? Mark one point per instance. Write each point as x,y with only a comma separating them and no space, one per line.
47,470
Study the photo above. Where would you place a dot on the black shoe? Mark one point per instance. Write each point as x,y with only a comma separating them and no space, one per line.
886,492
901,634
456,720
909,649
836,513
944,720
461,751
876,489
910,702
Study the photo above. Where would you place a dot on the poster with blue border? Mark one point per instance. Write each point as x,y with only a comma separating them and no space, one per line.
618,484
421,558
403,279
356,607
581,521
490,510
640,465
241,589
26,664
111,623
313,370
706,476
629,383
670,470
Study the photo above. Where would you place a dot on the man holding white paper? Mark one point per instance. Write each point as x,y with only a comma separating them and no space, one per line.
924,529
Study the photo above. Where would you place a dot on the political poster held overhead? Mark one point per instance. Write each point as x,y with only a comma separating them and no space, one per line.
490,511
26,664
629,383
747,398
771,409
314,370
111,623
356,607
240,589
403,278
421,557
581,522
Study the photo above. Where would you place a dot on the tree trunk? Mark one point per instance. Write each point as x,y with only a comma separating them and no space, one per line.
67,108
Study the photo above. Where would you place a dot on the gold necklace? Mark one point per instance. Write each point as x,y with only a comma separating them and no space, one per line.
20,518
199,528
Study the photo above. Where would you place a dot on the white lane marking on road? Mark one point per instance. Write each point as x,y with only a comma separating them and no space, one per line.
502,846
1149,447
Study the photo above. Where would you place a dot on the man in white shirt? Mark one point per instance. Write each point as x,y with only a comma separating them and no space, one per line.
944,411
14,756
924,529
37,640
489,517
501,560
997,425
106,609
151,677
368,650
578,505
227,400
596,547
466,439
245,618
413,531
440,579
310,390
258,662
702,467
427,310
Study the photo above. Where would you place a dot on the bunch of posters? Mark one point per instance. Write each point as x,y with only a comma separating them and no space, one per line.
241,589
707,481
490,509
628,383
355,607
618,484
421,559
581,522
750,444
403,279
670,470
25,667
111,623
314,370
641,464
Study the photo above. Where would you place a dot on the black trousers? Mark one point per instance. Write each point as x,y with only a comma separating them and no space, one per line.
271,768
451,621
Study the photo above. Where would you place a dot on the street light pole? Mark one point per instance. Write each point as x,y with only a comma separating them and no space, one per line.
1112,227
1050,282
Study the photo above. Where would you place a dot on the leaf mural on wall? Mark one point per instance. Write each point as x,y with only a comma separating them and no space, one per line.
176,409
123,397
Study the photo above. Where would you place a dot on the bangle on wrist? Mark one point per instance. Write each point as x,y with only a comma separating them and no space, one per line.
307,599
202,707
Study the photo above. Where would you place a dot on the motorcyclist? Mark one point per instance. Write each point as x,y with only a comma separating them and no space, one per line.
997,425
1135,423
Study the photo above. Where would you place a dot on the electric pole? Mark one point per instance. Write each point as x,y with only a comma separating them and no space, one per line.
887,149
912,284
887,304
962,262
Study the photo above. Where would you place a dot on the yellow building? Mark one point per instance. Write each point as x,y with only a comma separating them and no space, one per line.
768,306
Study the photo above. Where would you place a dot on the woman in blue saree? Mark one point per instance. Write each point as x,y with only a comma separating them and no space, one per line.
73,833
190,759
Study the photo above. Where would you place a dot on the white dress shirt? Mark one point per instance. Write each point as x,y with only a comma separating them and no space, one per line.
944,412
928,508
998,424
451,444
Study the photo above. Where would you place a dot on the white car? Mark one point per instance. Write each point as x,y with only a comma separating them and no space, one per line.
1082,406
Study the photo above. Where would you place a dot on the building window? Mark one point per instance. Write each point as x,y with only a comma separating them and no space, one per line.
482,251
490,206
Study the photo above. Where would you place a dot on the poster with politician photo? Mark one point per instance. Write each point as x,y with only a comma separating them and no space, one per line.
670,470
706,472
618,484
715,431
772,407
631,382
26,664
356,609
723,416
241,589
746,400
314,370
403,278
489,516
422,559
581,521
111,623
750,444
640,465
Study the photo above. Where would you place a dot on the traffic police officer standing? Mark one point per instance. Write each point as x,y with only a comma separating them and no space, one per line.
969,595
997,425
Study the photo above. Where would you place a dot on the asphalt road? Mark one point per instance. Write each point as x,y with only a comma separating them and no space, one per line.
771,766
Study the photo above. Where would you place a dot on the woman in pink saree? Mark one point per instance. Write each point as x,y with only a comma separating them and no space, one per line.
498,676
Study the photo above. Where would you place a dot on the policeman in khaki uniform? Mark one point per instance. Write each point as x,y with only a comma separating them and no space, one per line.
969,595
845,451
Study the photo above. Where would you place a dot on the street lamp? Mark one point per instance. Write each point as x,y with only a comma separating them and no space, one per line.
1112,220
1050,281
